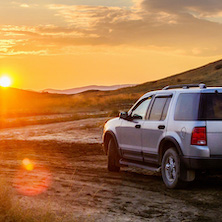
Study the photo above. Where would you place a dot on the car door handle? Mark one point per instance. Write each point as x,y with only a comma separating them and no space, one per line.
138,126
161,127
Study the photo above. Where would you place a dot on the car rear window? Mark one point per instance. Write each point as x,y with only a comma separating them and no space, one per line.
187,106
211,106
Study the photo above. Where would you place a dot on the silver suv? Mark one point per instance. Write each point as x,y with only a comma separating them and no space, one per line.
176,130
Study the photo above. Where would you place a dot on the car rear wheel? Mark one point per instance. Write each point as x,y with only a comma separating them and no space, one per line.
113,157
171,169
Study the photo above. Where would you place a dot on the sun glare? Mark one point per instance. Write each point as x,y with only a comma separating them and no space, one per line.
5,81
28,165
32,178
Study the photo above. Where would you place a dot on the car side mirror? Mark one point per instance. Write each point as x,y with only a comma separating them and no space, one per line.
123,115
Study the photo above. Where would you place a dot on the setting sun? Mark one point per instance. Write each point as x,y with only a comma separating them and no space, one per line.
5,81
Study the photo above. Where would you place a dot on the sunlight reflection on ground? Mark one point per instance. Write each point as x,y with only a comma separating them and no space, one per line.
32,179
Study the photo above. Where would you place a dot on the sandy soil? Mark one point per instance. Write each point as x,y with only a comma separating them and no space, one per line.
79,131
70,179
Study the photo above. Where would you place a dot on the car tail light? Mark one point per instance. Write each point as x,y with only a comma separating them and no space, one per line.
199,136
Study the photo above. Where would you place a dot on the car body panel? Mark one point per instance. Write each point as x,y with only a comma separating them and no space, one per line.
113,126
130,140
214,137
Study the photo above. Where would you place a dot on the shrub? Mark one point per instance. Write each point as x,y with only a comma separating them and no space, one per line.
219,66
114,113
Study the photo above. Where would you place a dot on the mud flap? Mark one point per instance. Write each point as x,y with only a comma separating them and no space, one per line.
186,175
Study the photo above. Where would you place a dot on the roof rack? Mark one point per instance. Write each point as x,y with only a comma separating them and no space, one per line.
185,86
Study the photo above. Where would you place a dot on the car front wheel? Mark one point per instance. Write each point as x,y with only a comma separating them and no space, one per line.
113,157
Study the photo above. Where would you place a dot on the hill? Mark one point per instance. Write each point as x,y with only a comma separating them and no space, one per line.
20,102
87,88
210,74
15,102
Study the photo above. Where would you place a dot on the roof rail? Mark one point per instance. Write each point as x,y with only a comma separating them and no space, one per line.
185,86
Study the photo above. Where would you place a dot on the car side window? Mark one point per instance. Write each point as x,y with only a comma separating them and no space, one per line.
160,108
165,109
187,107
140,110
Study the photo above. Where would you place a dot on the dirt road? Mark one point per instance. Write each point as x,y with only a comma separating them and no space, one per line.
78,131
71,180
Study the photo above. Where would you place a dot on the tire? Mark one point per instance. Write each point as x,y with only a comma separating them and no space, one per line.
113,157
170,169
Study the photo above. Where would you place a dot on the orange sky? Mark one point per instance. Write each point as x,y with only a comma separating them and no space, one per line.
70,43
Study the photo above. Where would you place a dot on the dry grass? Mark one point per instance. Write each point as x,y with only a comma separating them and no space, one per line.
13,105
11,210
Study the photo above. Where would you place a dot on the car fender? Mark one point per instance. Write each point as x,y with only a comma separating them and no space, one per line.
164,141
110,134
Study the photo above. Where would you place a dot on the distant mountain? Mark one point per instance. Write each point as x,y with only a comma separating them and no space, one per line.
87,88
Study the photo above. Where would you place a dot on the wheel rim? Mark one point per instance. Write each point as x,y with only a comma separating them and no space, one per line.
170,169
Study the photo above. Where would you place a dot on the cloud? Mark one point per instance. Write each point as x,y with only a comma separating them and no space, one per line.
87,16
176,26
165,24
24,4
178,6
45,40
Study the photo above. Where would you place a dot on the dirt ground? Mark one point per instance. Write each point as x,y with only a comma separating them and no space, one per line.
78,131
61,168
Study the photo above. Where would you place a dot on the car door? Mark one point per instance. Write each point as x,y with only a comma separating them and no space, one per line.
130,131
154,127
